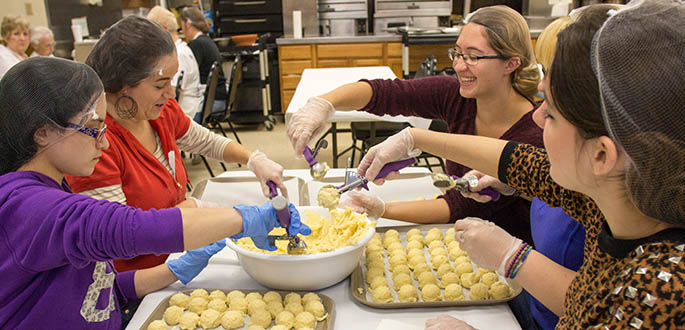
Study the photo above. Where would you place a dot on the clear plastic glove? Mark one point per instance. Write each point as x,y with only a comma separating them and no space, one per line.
205,204
258,221
193,262
266,169
360,203
308,122
397,147
485,181
488,245
446,322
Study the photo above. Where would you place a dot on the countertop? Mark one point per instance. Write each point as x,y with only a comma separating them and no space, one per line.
381,37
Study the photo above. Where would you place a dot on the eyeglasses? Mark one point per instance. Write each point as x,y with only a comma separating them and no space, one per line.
469,59
96,134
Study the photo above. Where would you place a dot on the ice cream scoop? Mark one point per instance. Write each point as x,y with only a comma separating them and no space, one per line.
280,204
317,170
463,184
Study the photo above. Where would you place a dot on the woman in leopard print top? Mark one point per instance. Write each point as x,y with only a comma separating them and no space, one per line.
633,275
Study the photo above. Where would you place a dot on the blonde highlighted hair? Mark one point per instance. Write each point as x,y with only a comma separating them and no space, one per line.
163,17
11,23
547,41
507,33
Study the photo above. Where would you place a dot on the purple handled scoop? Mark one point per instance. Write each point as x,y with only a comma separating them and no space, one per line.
316,169
462,184
280,204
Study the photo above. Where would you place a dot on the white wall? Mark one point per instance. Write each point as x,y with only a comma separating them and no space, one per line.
18,7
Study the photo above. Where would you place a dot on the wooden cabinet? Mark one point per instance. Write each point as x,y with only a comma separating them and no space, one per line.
293,59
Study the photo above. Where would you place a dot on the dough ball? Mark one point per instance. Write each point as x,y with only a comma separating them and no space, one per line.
397,252
376,235
462,260
414,245
415,260
218,305
431,292
374,243
374,255
316,308
399,280
396,246
328,197
216,294
272,296
311,296
426,278
382,294
157,325
499,290
449,278
285,318
292,297
210,319
479,291
238,304
378,281
253,295
413,253
172,315
198,305
453,245
444,269
407,293
454,292
469,279
436,261
438,252
370,274
392,233
373,248
188,321
421,267
433,235
180,300
233,320
401,269
294,307
261,317
397,260
389,241
255,327
201,293
375,263
414,232
274,307
463,268
279,327
456,252
234,294
450,236
255,305
489,278
304,320
436,244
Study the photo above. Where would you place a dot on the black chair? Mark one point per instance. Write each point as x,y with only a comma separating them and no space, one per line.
234,81
370,134
208,107
179,81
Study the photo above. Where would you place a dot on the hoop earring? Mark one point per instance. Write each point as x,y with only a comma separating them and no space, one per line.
128,112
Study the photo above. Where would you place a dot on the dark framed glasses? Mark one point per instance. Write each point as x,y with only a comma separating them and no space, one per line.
470,59
95,133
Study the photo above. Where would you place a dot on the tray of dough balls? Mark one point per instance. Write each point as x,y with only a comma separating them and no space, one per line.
242,309
424,266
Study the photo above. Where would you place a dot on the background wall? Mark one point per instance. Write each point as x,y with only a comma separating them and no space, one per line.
36,13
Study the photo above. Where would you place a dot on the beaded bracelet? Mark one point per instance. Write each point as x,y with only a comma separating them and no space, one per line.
523,258
517,255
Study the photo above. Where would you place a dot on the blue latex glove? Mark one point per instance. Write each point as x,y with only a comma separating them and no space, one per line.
193,262
258,221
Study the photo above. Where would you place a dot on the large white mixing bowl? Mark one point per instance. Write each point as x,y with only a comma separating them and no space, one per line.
302,272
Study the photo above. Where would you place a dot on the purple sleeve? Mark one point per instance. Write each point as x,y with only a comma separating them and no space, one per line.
435,97
127,287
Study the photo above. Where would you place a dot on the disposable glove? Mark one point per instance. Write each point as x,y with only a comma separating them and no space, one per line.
266,169
397,147
308,122
193,262
360,203
258,221
205,204
488,245
446,322
485,181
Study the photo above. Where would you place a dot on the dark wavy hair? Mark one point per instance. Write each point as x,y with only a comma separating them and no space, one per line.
128,51
36,92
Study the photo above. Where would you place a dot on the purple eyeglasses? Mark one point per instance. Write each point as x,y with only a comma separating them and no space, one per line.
96,134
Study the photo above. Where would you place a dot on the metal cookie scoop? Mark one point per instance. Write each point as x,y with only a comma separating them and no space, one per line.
463,184
280,204
329,200
317,170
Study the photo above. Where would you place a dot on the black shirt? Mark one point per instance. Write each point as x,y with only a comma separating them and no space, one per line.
206,52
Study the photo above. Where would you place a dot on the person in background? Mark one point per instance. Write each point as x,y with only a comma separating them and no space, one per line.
15,35
614,161
195,29
42,41
136,60
56,266
191,92
497,78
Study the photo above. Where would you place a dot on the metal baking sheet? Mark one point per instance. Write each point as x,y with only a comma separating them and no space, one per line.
327,302
231,191
361,291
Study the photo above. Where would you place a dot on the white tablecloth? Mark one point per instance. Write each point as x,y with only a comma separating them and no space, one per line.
225,272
